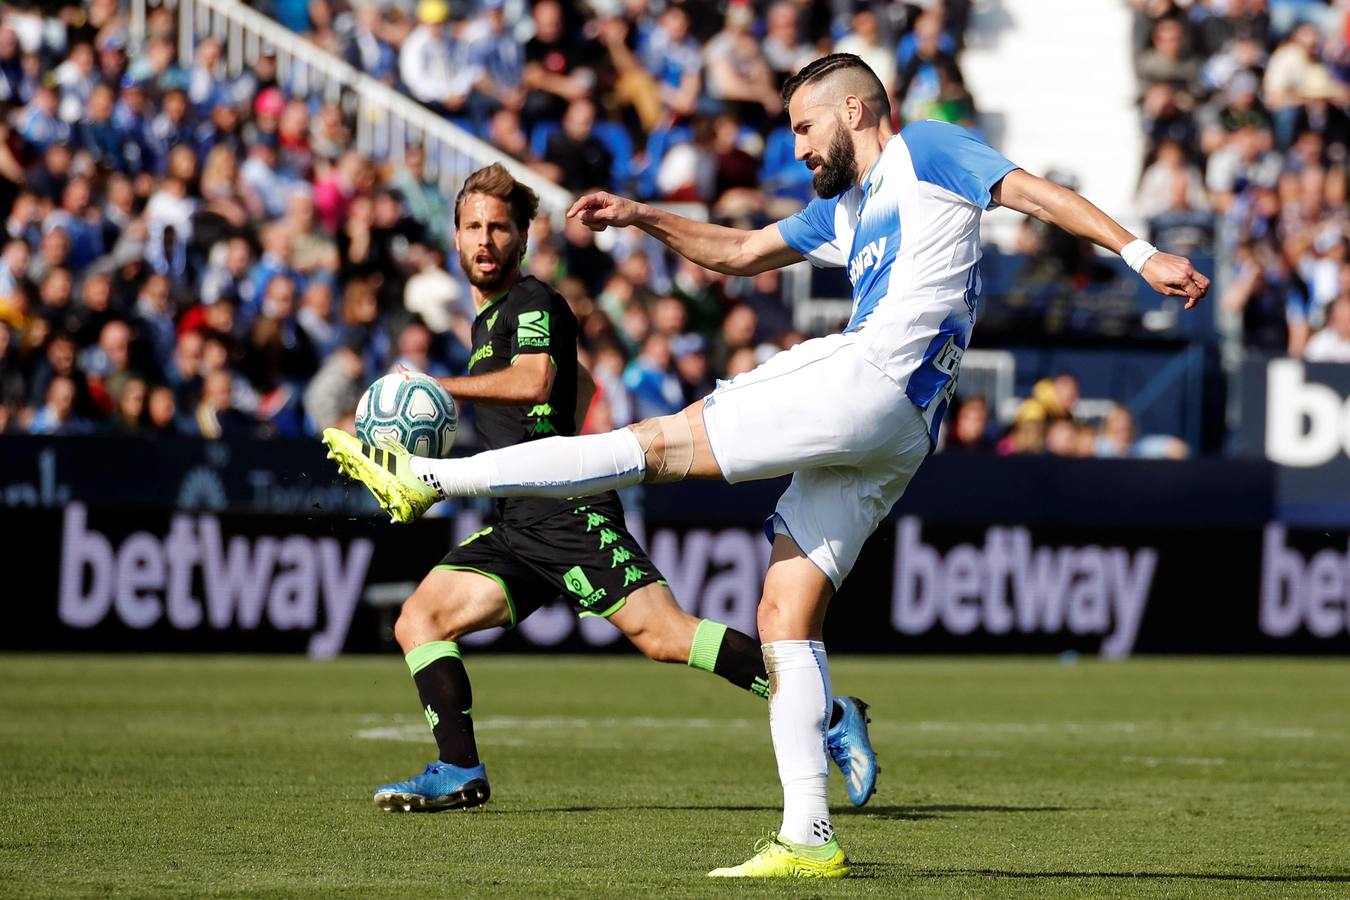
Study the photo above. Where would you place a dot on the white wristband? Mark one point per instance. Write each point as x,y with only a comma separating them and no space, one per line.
1136,253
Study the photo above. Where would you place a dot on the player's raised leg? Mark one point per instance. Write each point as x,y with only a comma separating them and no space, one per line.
791,620
446,605
664,449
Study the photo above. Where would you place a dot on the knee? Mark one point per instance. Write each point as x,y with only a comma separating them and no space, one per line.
776,624
420,622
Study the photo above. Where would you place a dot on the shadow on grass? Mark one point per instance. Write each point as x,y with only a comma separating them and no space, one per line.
913,813
688,807
874,870
941,811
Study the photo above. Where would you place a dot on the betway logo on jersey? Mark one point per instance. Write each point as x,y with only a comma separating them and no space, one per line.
149,579
869,257
1312,593
1307,423
1011,585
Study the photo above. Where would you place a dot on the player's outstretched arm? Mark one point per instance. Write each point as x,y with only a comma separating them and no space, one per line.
1059,206
526,381
731,251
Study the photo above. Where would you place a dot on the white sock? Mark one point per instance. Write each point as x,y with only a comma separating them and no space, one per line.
553,467
799,713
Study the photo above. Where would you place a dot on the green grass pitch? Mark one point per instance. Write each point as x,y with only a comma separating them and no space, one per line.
618,777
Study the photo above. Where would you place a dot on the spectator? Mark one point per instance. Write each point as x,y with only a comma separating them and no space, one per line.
1166,61
552,79
673,58
1052,399
367,48
429,66
580,156
422,196
866,41
432,294
415,352
737,333
332,394
656,390
783,48
919,57
162,414
494,55
690,352
1291,63
1271,301
968,432
738,75
1332,343
216,415
129,415
57,415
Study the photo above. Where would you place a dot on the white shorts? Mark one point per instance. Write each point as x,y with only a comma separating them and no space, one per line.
848,433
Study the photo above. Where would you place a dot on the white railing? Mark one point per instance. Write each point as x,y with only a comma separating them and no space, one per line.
387,122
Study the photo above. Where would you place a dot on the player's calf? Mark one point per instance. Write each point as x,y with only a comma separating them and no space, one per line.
664,632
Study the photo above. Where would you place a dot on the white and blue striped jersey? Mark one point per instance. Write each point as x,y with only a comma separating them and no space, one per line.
910,237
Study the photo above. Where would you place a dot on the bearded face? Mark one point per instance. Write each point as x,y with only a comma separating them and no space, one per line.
489,245
489,266
838,170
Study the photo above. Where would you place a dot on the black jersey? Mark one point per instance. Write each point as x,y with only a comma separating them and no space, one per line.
529,318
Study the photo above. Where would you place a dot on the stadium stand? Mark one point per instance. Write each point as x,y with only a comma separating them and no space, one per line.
207,236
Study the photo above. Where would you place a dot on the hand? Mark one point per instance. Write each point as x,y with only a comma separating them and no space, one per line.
602,210
1174,276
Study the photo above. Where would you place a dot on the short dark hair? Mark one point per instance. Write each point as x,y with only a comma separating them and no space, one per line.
495,181
828,65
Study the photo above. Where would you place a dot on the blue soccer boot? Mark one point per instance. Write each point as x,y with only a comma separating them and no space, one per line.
441,786
851,749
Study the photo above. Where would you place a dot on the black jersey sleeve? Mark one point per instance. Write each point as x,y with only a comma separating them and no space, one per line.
532,325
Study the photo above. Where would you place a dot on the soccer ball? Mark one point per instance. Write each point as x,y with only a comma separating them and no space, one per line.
410,409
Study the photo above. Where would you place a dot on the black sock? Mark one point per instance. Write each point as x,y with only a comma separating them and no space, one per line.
447,700
735,656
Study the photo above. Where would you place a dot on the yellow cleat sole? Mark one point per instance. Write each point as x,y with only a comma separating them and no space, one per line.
384,486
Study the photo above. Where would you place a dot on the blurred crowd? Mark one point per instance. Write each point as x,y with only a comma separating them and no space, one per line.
1051,421
193,253
1244,105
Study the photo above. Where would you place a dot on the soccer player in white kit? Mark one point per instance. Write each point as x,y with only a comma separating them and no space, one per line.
851,415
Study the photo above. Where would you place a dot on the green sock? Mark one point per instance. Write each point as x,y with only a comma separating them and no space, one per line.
731,654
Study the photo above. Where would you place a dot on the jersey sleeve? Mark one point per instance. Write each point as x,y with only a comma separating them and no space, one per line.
811,233
951,157
532,326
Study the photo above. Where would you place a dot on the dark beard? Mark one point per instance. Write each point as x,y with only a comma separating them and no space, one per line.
839,170
507,269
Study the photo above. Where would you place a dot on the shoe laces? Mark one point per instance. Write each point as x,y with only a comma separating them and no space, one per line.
769,845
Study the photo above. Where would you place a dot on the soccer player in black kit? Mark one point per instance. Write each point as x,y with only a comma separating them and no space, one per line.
524,375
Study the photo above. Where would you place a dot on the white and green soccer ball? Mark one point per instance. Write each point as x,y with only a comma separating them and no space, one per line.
412,410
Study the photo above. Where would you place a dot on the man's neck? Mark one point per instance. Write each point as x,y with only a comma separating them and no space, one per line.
482,298
870,151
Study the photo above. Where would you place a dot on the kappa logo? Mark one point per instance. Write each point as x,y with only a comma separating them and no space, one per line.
869,257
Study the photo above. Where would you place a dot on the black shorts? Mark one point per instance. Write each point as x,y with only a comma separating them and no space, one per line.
583,553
